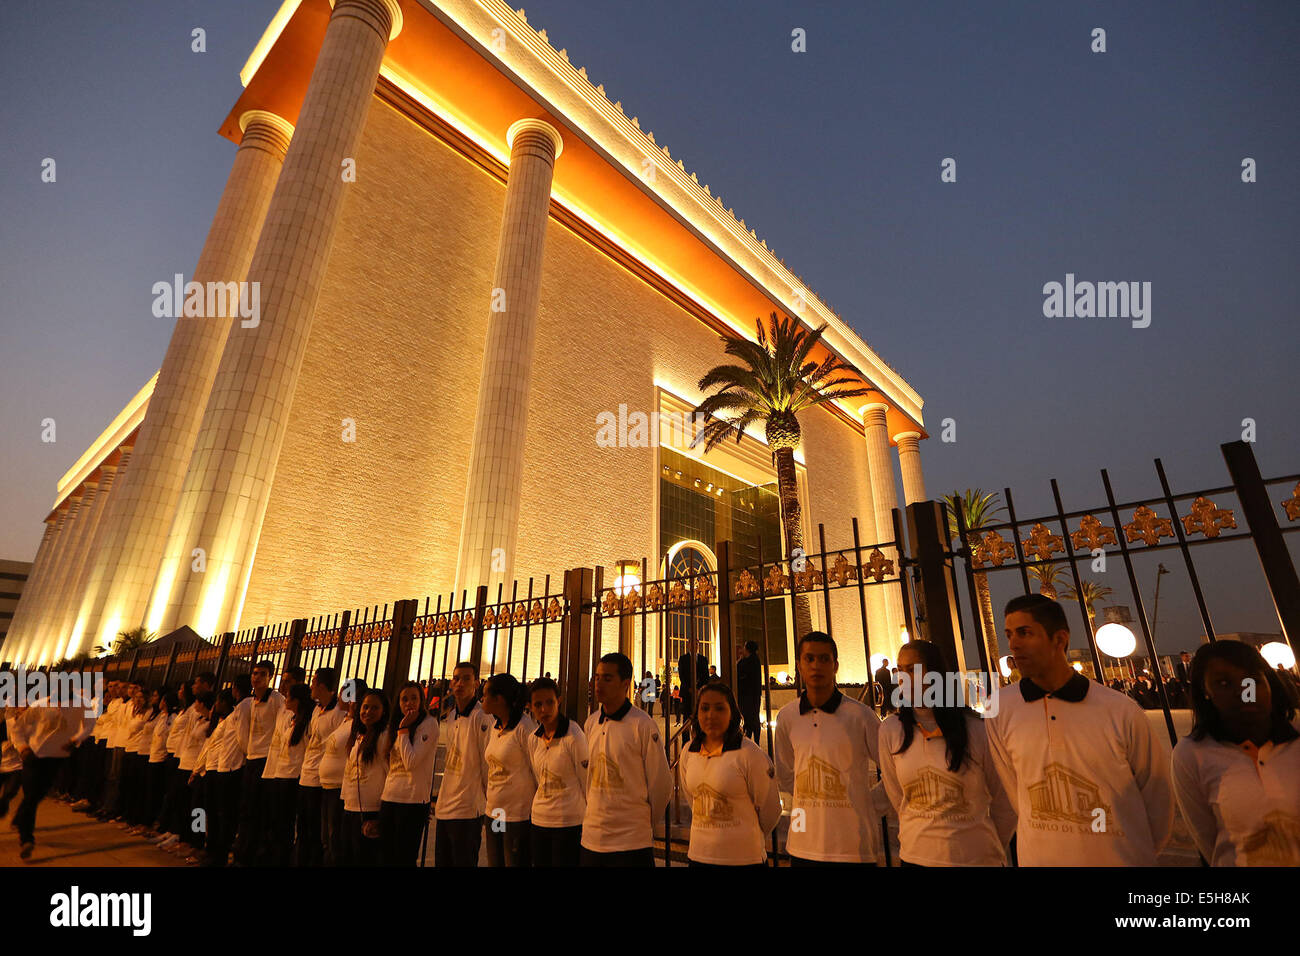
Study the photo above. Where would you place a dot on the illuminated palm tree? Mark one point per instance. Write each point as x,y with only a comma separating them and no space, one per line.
1047,575
977,510
1092,593
774,382
127,641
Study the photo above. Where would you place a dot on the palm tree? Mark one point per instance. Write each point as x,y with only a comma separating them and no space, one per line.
1048,575
127,641
977,510
775,382
1092,593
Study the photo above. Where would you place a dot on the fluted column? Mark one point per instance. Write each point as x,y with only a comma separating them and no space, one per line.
124,566
884,494
228,483
490,521
36,603
47,634
14,640
909,463
64,615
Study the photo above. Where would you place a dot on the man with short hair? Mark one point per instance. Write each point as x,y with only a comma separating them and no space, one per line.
826,747
628,784
1087,777
291,676
749,688
44,734
255,718
462,795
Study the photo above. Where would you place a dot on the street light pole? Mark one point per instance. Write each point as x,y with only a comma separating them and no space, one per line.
1161,571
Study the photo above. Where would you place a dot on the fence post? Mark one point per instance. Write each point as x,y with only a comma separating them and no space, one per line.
476,637
297,631
226,640
342,642
927,535
575,642
1279,570
726,639
397,667
171,663
135,661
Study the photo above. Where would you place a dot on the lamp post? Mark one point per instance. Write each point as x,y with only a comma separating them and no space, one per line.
1161,571
628,579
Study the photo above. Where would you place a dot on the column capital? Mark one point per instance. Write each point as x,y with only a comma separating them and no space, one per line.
372,11
530,125
903,436
868,410
266,129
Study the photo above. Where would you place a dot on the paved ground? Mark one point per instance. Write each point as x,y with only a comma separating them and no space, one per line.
64,838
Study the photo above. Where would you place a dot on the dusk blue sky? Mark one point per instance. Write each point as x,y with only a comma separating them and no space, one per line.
1117,166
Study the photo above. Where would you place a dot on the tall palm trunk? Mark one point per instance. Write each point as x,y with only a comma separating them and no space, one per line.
985,596
792,525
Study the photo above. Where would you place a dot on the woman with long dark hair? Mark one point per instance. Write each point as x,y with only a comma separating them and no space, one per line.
1237,774
363,781
135,758
326,718
283,767
510,782
192,752
731,784
171,816
404,806
156,772
220,769
559,760
333,762
934,759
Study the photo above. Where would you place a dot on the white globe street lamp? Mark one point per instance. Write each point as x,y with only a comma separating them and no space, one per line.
1277,653
1116,640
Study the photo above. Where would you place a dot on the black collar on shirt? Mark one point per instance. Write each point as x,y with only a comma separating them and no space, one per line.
618,714
1073,690
467,711
561,728
830,706
264,698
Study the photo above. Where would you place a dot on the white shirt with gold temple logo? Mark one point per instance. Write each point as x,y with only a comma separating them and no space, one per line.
463,791
510,781
735,804
560,769
628,784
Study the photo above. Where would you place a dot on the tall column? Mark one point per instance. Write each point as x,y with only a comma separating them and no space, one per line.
490,521
909,463
884,493
877,622
124,565
64,617
35,603
15,642
46,633
228,483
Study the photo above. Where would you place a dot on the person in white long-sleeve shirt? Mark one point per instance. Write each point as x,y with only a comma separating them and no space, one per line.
11,764
937,770
328,715
363,782
114,734
1089,781
408,788
826,746
730,783
220,767
283,768
511,785
43,735
333,761
628,783
1236,776
559,760
255,718
462,794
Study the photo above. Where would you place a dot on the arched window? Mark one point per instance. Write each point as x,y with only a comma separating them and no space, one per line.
683,563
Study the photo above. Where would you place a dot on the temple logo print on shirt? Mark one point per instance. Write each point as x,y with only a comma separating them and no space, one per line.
1276,843
820,782
551,784
711,808
455,763
1064,800
605,774
935,793
497,771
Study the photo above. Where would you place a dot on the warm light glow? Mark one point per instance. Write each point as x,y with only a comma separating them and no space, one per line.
1116,640
118,430
269,36
213,601
625,583
1078,667
877,662
782,677
903,636
1004,665
1277,653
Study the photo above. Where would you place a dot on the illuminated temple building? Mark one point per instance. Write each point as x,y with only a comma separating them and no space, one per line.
466,252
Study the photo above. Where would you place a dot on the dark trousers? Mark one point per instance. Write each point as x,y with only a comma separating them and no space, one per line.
800,861
223,793
401,826
753,723
133,787
250,843
90,770
556,846
38,775
642,857
307,848
724,866
283,794
178,801
194,831
359,849
508,844
10,784
167,808
155,791
457,842
112,801
331,821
